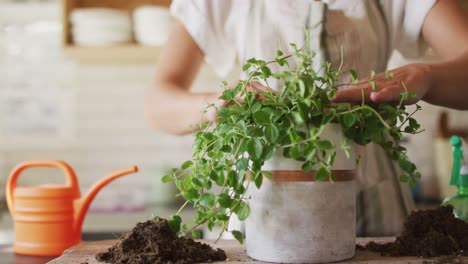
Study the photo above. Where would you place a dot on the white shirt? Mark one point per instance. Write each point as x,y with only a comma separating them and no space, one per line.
368,30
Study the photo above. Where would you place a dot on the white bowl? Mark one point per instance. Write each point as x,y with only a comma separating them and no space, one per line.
152,24
100,26
100,16
84,37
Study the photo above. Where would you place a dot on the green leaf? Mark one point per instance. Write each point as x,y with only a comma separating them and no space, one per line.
197,182
302,87
328,118
196,234
349,120
191,195
174,223
414,124
224,112
343,107
242,210
226,148
354,76
267,174
210,224
404,178
268,152
309,166
222,217
271,133
227,95
261,117
246,67
324,144
322,174
407,165
297,118
258,179
254,148
256,132
187,164
242,164
295,152
208,136
265,71
232,178
281,74
224,200
207,200
256,107
220,180
238,236
166,178
331,158
279,53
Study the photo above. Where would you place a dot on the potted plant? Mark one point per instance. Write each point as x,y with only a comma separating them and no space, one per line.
303,206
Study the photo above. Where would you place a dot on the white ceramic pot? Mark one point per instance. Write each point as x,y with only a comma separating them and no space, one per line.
297,220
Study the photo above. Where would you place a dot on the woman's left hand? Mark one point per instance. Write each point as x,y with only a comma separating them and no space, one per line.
412,79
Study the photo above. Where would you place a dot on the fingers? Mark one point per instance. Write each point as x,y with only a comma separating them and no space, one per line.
352,95
255,85
368,87
390,94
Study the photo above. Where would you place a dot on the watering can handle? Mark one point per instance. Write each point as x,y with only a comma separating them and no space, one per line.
11,183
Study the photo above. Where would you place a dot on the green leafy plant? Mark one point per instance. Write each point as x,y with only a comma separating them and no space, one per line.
230,153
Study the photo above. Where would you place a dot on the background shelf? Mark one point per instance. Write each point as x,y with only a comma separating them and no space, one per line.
122,53
127,53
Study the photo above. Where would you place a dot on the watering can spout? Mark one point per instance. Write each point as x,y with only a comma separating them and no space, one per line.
82,204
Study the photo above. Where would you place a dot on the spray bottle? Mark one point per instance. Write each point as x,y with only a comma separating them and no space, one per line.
460,179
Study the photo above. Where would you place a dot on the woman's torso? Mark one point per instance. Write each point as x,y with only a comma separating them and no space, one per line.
355,29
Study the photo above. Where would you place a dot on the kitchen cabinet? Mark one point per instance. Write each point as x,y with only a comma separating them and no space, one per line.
123,53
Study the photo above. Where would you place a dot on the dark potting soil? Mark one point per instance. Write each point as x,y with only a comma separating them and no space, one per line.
154,242
427,233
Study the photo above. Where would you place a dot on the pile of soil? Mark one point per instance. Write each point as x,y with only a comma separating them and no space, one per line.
428,233
154,242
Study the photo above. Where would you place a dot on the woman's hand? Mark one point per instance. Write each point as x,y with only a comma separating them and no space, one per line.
212,112
412,79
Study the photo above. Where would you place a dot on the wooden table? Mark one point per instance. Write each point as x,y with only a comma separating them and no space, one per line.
7,256
84,253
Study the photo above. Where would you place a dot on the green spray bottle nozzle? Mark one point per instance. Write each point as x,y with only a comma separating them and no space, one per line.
457,160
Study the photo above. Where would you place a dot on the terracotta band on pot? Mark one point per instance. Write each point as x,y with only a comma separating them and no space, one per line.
300,176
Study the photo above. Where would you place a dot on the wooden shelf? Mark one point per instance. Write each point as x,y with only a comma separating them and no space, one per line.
119,54
124,53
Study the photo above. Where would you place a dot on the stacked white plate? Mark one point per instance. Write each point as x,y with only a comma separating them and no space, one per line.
152,25
100,26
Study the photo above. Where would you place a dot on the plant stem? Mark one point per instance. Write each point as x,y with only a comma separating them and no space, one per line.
204,220
370,109
407,118
182,207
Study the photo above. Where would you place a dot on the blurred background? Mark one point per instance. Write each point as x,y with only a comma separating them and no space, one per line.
74,91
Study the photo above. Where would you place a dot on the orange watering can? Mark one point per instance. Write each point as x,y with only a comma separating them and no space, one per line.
48,218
